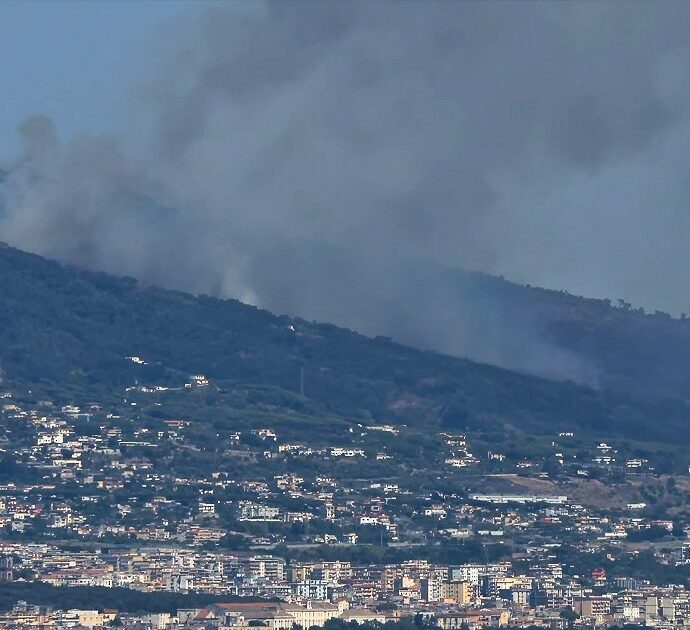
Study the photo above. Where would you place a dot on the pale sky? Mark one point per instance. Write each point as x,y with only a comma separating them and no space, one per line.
76,62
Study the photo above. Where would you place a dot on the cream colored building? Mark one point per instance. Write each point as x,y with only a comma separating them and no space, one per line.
313,614
458,591
280,615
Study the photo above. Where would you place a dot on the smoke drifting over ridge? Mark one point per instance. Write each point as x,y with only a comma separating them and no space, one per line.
336,160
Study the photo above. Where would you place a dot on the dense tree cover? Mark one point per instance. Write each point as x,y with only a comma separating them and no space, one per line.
472,550
120,599
649,534
65,333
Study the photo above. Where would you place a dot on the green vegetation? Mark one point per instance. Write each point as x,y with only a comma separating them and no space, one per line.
465,551
120,599
65,333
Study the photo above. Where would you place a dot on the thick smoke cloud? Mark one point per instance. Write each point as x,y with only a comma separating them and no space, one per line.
339,160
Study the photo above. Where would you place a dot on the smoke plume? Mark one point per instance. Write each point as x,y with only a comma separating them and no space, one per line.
340,160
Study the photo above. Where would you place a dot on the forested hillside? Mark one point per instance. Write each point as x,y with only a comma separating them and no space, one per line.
66,333
616,345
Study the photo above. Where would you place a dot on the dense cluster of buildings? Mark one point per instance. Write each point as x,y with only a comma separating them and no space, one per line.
95,495
310,593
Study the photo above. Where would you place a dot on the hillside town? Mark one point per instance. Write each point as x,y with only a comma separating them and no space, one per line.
297,531
344,315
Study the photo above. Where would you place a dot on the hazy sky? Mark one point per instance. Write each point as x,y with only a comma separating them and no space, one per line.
77,62
332,159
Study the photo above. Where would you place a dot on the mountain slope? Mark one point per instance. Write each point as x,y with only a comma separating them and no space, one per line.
615,347
66,332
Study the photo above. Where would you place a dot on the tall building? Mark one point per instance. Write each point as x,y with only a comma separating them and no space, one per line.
430,588
268,567
6,569
459,591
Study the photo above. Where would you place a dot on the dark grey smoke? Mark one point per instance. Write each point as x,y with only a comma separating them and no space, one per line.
335,160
